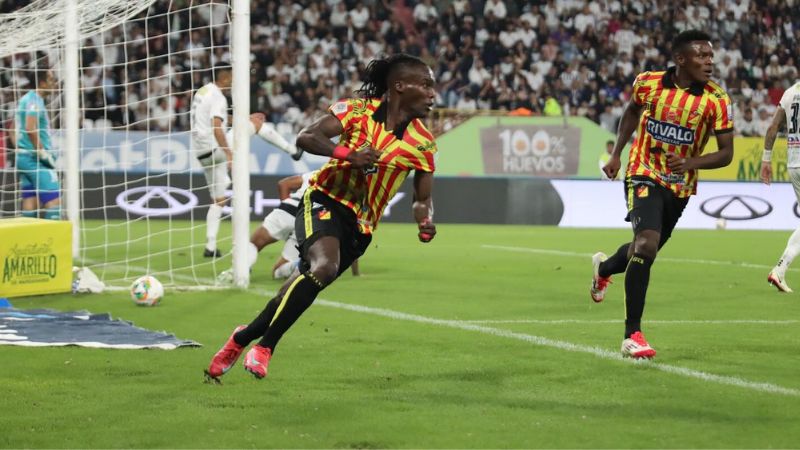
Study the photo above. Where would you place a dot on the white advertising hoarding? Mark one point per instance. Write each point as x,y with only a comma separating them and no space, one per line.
744,206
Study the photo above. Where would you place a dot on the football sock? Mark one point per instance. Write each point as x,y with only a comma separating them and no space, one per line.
616,263
29,213
637,277
271,135
213,219
791,251
295,301
252,254
53,213
259,325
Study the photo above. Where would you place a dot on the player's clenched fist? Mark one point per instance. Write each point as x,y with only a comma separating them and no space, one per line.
427,230
363,159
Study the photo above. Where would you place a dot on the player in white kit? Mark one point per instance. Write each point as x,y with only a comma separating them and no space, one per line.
211,145
788,113
279,225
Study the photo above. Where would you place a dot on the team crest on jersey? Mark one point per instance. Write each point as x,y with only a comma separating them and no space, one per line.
642,191
670,133
324,215
359,107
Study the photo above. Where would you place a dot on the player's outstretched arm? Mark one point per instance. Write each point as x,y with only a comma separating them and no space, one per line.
627,125
316,139
422,207
769,140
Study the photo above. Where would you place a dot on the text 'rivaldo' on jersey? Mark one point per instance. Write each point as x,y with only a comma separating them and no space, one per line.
410,147
675,120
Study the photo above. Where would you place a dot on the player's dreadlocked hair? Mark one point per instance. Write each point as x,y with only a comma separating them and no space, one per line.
685,37
378,71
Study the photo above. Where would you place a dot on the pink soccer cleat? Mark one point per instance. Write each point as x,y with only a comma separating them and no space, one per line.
226,357
257,360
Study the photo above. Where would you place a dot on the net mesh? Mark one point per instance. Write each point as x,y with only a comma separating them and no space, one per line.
143,195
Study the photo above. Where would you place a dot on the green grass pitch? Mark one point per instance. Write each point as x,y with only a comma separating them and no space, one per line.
485,338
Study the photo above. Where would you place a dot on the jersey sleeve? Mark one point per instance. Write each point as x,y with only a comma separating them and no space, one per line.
786,98
722,112
641,87
421,156
219,107
348,111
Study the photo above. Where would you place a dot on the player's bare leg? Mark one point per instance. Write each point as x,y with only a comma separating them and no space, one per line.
213,220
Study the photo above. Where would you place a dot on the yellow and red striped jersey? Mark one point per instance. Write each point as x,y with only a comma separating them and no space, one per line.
675,120
410,147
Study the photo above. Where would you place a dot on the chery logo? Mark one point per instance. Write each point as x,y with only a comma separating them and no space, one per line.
736,207
172,201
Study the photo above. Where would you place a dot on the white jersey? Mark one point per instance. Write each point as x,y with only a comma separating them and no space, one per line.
790,102
296,196
208,102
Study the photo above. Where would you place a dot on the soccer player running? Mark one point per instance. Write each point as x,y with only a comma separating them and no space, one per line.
381,140
210,142
787,113
673,113
34,153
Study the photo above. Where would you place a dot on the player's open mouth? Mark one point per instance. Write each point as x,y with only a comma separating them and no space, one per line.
430,106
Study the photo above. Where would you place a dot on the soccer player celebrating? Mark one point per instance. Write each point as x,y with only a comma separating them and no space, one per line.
35,162
209,119
787,112
381,140
673,113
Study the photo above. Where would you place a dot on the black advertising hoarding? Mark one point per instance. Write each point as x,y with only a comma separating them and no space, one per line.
456,200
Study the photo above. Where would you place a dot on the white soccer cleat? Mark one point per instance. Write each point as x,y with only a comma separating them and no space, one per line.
775,278
637,347
599,284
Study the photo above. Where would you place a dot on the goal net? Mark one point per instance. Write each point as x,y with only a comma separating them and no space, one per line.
137,194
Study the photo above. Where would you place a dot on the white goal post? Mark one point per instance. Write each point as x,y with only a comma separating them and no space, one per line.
125,73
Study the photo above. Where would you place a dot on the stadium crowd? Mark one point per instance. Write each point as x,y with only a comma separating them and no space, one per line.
548,57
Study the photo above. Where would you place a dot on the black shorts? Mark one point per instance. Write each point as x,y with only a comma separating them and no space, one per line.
324,216
652,207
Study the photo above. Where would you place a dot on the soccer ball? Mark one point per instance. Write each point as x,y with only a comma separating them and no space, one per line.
147,291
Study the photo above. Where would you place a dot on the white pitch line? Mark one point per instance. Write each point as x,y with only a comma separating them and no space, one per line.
568,346
649,322
544,251
545,342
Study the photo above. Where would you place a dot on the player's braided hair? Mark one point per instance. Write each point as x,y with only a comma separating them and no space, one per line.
376,76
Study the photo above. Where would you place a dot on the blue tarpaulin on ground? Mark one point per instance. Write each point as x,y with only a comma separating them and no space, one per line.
44,327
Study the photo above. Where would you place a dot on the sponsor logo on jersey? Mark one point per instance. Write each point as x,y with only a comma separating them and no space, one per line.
669,132
428,146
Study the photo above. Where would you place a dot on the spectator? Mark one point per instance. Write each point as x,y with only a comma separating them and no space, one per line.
424,12
746,125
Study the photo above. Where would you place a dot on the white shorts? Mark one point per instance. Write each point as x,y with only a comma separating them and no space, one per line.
215,168
289,251
279,224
